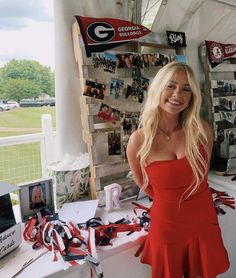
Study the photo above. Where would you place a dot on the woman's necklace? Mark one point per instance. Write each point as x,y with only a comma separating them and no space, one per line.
168,136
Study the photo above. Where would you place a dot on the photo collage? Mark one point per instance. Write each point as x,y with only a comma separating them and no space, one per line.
110,61
133,89
224,92
129,60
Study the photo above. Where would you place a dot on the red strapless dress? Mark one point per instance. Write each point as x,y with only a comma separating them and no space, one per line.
183,239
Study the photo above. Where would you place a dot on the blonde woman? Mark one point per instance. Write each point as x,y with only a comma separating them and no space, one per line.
169,157
37,198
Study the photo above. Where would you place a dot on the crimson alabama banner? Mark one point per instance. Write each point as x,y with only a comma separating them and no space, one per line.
218,52
100,34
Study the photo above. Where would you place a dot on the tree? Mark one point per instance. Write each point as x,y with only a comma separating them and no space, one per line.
17,89
25,79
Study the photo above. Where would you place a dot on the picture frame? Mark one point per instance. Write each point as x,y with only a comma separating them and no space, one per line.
35,196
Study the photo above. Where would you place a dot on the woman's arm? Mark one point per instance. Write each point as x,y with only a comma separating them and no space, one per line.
134,145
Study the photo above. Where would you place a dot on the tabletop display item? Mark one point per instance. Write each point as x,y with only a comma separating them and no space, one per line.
36,196
71,186
10,231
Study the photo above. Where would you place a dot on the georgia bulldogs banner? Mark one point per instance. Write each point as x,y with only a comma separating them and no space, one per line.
176,39
100,34
218,52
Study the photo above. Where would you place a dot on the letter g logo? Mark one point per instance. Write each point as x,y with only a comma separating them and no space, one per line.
100,32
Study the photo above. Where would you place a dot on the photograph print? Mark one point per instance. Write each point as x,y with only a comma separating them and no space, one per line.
124,60
106,61
94,89
35,196
109,114
141,82
129,122
114,143
135,92
110,62
116,88
98,60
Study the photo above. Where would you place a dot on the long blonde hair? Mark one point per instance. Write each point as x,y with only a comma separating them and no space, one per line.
190,121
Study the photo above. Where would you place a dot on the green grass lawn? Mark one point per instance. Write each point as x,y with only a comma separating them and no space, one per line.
21,163
24,118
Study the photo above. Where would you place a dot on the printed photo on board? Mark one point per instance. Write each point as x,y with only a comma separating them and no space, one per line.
107,113
94,89
116,88
114,143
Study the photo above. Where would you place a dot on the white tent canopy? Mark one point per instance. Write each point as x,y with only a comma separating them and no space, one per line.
200,20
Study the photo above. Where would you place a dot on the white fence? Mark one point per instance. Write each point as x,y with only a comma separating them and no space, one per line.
42,147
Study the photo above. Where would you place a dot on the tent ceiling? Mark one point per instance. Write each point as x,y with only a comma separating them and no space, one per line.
176,14
200,20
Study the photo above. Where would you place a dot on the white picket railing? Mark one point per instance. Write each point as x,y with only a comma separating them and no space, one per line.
46,139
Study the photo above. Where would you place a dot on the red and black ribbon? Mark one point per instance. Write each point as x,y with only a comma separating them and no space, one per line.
221,199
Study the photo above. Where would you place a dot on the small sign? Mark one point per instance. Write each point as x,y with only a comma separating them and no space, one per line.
176,39
10,239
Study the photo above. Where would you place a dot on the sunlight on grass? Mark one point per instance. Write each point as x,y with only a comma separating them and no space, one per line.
26,117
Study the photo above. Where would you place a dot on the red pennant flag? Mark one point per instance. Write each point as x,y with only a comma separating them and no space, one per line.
218,52
100,34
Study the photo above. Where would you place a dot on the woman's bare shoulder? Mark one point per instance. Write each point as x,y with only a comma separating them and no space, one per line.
136,138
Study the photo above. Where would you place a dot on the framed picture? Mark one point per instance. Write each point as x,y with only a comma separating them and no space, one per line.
36,196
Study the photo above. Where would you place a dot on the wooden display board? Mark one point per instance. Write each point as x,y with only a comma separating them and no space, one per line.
105,168
220,98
